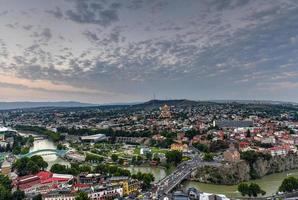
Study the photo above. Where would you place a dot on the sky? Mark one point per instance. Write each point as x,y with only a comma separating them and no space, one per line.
107,51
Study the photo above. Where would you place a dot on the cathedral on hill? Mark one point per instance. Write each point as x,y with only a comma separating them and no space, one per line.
165,112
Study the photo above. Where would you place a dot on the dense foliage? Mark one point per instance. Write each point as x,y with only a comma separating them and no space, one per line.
108,132
146,178
20,144
208,157
94,158
82,196
289,184
252,156
250,190
5,190
25,166
55,136
174,157
74,169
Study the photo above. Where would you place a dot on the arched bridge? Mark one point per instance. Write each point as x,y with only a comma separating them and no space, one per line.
43,152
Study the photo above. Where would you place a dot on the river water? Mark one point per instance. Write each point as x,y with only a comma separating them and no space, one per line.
50,159
269,183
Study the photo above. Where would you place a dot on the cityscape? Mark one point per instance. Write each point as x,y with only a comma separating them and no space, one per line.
153,150
148,100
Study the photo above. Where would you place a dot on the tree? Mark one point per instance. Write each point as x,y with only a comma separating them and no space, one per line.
121,161
243,188
289,184
252,189
5,181
5,193
201,147
40,162
114,157
248,134
82,196
174,157
25,166
37,197
208,157
32,167
148,155
218,145
61,146
59,169
18,195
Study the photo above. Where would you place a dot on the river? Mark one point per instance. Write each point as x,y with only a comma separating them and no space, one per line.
39,144
269,183
50,159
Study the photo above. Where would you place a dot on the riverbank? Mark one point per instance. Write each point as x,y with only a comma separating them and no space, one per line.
268,183
240,171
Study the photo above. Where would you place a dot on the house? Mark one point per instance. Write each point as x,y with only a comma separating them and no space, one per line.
243,146
129,186
281,150
158,137
268,140
5,168
179,147
145,150
231,155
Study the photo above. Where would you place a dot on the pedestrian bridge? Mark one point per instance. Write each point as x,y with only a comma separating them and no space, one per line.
44,152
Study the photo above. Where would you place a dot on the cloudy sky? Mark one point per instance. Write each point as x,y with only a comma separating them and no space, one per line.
127,50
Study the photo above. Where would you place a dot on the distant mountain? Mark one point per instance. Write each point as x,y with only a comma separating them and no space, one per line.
254,102
28,104
185,102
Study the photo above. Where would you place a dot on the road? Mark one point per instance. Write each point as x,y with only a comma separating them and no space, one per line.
183,171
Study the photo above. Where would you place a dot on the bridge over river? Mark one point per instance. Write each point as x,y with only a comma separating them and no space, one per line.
183,171
43,152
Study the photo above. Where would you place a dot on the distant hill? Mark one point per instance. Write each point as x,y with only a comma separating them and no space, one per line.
185,102
28,104
145,105
270,102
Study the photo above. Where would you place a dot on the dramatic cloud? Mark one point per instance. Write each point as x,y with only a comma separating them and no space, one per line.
102,51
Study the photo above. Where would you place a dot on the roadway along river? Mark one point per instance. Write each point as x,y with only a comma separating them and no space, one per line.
269,183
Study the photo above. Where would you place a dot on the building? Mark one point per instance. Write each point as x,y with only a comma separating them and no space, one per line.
178,195
233,124
91,179
165,112
179,147
42,182
145,150
94,193
231,155
93,138
130,186
244,146
2,137
74,156
6,168
193,193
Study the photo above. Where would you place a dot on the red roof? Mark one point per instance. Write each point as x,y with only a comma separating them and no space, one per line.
243,144
51,180
81,185
43,175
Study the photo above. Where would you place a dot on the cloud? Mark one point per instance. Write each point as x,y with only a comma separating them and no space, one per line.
94,12
57,12
136,46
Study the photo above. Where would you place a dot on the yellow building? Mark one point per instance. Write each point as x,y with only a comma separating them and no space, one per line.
129,186
179,147
5,168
